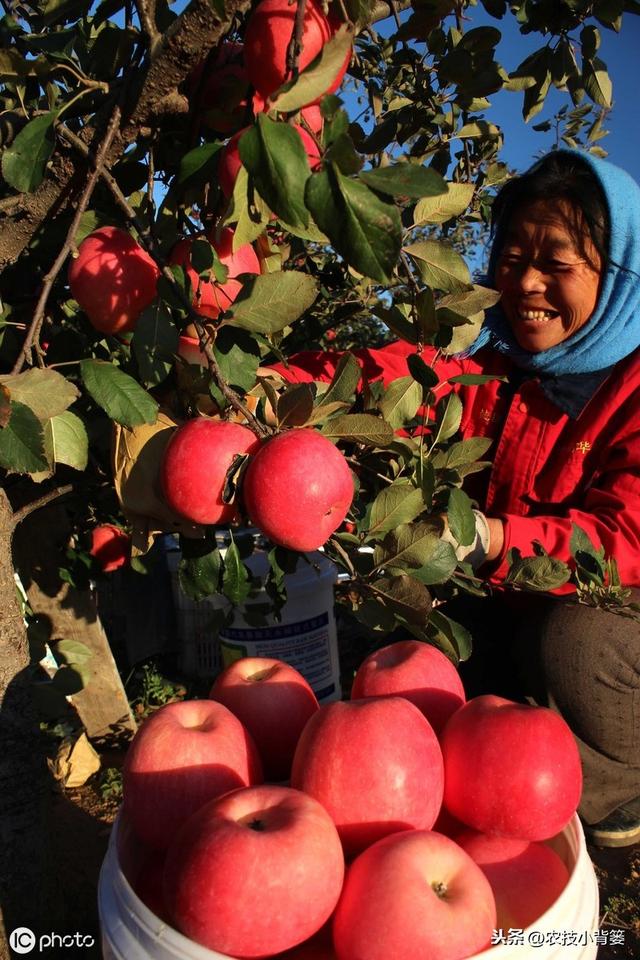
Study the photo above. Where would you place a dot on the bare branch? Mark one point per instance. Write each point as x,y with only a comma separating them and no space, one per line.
295,44
20,515
147,14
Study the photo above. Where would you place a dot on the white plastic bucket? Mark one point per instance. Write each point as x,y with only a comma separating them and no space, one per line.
305,636
130,931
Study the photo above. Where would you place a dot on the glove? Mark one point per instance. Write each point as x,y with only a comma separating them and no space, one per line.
474,553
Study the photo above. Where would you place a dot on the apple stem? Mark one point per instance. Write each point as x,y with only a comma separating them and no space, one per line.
257,825
440,889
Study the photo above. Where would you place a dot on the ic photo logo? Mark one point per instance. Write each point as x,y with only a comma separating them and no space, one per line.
23,940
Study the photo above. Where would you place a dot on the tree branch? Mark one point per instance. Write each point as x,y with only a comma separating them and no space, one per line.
198,28
19,515
295,44
48,280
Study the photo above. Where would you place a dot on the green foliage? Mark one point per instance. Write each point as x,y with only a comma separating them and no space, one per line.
366,247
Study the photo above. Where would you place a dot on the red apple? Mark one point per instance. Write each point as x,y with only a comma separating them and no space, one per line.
255,872
183,755
511,769
312,116
223,94
194,466
417,671
267,38
210,297
298,489
113,279
229,163
375,765
526,877
411,896
273,701
111,547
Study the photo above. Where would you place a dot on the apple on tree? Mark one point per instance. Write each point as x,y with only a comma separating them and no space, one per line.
110,546
511,769
113,279
273,701
229,163
375,765
414,895
255,872
195,464
298,469
211,298
417,671
267,39
220,87
183,755
526,877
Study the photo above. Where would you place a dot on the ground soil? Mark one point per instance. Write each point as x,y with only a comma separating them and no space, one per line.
84,819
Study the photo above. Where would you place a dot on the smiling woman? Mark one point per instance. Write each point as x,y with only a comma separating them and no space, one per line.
561,404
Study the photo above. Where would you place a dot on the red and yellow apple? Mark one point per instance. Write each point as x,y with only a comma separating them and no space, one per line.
375,765
274,701
414,895
113,279
255,872
511,769
417,671
195,464
298,489
184,755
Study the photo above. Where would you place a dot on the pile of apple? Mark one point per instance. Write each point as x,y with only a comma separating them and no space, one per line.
437,806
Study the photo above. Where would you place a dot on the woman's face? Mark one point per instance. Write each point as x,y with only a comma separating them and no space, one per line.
549,290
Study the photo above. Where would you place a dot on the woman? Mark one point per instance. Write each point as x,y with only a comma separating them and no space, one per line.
566,430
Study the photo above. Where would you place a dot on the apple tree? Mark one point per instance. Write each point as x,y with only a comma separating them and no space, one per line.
273,203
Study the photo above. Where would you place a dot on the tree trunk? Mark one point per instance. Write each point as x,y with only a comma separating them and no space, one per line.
28,894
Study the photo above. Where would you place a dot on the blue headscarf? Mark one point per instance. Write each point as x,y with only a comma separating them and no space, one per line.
613,330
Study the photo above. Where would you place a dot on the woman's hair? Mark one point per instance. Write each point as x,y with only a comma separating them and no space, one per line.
559,176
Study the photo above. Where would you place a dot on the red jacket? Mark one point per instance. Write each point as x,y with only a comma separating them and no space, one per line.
549,470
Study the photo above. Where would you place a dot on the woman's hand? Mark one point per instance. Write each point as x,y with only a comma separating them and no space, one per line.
496,538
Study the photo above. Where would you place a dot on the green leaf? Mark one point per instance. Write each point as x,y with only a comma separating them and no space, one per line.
363,228
406,597
67,441
474,379
442,208
248,210
24,162
119,395
295,405
469,303
495,8
197,165
401,401
46,392
22,447
451,635
199,567
418,547
345,380
275,157
405,180
272,301
538,573
399,503
590,41
72,652
465,451
464,334
236,584
478,130
318,76
360,428
597,82
440,266
460,516
155,343
238,356
421,372
449,419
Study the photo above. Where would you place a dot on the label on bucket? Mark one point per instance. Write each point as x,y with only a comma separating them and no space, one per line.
306,645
